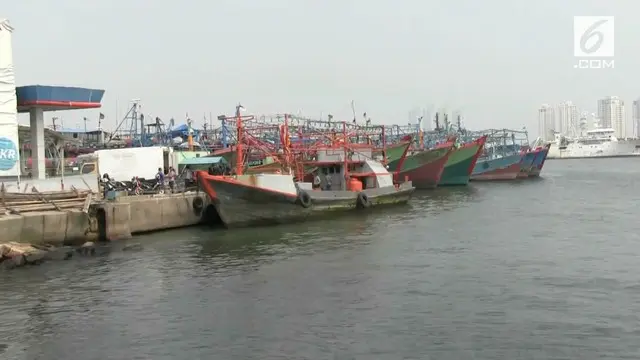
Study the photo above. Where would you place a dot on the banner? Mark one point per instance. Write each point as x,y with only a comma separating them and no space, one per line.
6,48
9,145
9,154
8,100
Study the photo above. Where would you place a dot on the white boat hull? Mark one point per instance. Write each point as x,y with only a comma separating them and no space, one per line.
609,149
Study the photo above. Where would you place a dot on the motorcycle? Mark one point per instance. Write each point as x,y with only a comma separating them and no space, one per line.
136,186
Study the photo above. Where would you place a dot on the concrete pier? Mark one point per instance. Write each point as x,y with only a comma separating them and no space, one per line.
36,122
105,220
51,227
126,216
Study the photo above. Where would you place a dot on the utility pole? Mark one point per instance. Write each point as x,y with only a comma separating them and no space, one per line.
53,120
84,136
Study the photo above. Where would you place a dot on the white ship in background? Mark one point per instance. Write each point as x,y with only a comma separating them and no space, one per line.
598,143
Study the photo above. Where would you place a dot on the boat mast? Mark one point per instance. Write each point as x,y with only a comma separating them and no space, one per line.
346,153
384,147
239,158
396,174
420,133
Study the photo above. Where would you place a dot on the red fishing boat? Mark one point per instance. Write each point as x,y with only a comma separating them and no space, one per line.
345,177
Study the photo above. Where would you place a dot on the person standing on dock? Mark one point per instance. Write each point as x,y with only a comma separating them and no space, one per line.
188,176
105,182
327,183
316,180
160,179
172,179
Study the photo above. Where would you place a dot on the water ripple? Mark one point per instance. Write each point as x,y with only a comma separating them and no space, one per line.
525,270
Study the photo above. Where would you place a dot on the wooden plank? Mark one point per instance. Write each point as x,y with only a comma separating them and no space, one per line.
9,210
44,207
88,187
36,202
87,203
44,199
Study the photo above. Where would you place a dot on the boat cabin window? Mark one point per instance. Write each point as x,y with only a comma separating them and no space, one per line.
88,168
327,170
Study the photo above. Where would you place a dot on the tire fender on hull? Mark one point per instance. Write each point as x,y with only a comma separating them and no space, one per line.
197,205
304,199
363,201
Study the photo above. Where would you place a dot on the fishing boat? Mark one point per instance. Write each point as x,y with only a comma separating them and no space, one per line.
538,163
501,156
424,168
350,179
460,164
526,165
499,168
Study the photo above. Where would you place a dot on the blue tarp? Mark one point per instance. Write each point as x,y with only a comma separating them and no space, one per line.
183,127
182,131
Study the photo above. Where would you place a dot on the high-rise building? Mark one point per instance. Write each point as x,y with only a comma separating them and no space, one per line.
568,119
546,122
636,118
584,123
612,116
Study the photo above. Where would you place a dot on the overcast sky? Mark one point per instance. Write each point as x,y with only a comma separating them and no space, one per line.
495,61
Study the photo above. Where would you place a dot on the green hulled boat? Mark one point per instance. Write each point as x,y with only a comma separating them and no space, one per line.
461,162
395,152
423,168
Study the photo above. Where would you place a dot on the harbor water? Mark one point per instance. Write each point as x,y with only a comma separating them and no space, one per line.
540,269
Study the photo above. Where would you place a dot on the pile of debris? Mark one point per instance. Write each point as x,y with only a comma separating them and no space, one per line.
16,203
13,255
17,254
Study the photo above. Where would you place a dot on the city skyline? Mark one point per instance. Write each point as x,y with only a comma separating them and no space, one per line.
569,119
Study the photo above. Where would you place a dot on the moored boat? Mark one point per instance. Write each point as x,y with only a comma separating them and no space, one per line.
423,168
538,163
526,164
596,143
269,199
344,179
457,170
502,168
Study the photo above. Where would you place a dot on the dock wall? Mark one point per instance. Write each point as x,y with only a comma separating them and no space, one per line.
139,214
52,227
109,220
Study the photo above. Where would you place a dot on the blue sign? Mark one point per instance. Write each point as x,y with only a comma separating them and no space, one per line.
8,154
